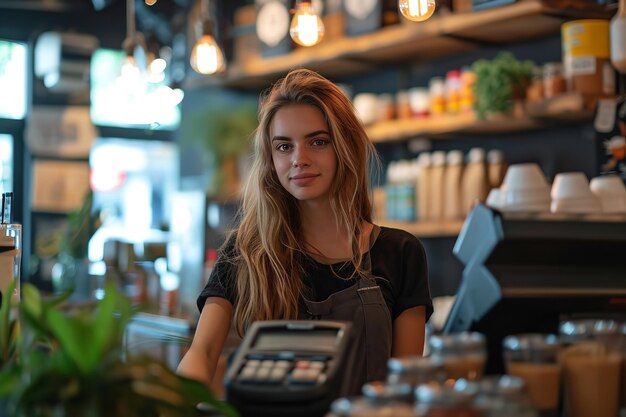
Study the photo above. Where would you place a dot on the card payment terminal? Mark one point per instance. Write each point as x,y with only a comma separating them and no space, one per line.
289,368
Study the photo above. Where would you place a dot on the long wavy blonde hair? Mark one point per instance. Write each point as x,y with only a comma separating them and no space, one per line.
269,239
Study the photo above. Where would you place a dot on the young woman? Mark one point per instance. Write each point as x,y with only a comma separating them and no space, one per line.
306,246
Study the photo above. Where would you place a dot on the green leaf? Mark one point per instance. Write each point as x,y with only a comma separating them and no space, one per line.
6,339
108,327
31,301
72,366
9,378
498,81
73,339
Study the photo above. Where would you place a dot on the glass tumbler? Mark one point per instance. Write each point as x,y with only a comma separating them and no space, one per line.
591,367
535,359
463,354
10,257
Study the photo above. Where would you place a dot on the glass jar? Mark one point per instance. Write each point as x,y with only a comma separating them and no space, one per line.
534,91
403,105
455,399
606,331
463,354
535,359
415,370
503,396
591,360
554,82
380,393
386,108
379,400
419,100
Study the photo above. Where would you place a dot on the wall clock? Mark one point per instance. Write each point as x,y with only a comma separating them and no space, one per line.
272,24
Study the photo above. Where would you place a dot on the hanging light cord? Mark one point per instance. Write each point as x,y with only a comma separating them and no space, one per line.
204,9
130,18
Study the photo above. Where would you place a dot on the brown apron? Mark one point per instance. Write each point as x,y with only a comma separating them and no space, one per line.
364,306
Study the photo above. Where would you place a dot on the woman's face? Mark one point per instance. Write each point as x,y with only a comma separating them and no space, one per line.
302,152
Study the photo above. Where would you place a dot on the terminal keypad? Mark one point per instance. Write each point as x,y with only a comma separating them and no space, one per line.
280,370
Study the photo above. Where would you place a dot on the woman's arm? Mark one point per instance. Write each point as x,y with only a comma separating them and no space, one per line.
409,332
201,359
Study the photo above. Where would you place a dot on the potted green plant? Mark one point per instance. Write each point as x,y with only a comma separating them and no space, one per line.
499,82
82,223
220,130
73,363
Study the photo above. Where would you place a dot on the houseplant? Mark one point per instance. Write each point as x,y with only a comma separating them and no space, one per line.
499,82
219,133
82,223
72,363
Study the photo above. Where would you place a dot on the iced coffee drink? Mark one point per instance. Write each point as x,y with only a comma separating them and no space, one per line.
534,358
592,380
463,355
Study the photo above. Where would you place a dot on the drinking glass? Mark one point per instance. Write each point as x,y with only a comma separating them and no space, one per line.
10,257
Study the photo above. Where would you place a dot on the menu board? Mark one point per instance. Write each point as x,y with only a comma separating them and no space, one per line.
59,186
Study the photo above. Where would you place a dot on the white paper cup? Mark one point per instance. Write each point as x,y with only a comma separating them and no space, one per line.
614,205
576,205
608,185
523,177
611,191
494,198
571,185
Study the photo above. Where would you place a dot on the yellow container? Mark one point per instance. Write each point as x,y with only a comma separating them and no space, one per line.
589,37
586,54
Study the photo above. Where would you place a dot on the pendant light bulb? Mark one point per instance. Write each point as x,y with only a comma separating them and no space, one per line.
306,27
206,56
417,10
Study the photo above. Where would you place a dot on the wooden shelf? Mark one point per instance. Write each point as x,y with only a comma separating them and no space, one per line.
563,109
440,36
426,229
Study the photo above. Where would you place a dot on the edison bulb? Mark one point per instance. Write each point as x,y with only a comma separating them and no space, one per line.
206,56
417,10
131,78
306,27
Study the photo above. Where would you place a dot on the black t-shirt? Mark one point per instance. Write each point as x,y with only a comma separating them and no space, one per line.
398,262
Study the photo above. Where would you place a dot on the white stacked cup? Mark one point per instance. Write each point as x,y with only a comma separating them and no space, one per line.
571,194
611,192
525,188
494,199
366,106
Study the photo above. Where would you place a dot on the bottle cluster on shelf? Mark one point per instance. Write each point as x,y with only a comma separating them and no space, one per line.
438,186
443,95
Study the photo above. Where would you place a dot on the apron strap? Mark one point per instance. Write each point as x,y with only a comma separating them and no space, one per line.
367,263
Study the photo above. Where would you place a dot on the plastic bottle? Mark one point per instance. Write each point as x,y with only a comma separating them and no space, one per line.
467,100
437,90
436,198
391,192
405,192
453,91
452,208
497,167
475,182
422,182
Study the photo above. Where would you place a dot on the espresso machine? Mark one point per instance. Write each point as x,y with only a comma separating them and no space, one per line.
526,272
